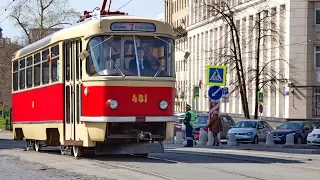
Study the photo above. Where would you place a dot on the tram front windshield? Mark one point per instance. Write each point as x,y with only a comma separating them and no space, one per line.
119,56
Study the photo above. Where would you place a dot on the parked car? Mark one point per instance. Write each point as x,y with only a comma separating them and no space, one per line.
300,129
250,131
202,120
314,137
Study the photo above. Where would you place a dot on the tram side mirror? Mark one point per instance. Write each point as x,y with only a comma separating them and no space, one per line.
84,54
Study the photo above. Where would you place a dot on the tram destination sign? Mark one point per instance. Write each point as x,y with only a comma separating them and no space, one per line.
127,26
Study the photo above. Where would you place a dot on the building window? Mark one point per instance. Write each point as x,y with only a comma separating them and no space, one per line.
317,13
317,57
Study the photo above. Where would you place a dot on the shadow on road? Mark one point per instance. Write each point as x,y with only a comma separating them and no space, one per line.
11,144
171,156
197,157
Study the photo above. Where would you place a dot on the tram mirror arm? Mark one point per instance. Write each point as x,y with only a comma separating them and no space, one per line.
83,55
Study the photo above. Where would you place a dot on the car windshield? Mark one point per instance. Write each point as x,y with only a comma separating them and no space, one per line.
318,126
117,56
291,125
201,120
245,124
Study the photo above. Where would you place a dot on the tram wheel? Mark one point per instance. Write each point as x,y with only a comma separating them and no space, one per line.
63,149
77,151
29,145
37,146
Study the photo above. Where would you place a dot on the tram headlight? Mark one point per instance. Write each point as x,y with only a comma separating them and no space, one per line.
113,104
163,104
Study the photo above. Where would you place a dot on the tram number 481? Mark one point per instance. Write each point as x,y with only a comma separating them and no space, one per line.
141,98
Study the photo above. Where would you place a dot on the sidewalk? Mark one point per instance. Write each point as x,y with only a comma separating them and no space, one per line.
296,149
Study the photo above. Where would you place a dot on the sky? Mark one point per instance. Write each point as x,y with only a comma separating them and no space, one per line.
145,8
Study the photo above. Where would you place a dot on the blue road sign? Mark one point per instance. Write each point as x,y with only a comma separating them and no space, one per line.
215,93
216,75
225,92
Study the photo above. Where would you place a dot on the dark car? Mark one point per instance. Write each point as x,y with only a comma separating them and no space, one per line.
202,120
300,129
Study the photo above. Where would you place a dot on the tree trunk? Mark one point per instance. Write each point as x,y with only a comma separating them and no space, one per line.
257,73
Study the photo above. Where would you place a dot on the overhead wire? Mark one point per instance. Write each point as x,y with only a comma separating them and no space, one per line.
12,12
7,8
124,5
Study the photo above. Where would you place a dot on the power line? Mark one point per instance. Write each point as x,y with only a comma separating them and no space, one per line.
124,5
12,12
7,8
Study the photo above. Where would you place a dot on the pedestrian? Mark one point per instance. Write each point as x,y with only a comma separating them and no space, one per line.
189,118
215,125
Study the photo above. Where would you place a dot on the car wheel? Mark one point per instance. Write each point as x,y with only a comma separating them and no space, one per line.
299,140
255,140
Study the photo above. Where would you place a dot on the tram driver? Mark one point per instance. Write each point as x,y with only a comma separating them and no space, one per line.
143,62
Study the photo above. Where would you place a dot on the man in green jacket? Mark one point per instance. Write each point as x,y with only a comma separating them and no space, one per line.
189,118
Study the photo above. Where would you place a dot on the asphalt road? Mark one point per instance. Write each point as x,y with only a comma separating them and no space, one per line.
176,163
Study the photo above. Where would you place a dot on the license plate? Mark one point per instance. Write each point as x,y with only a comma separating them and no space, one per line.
277,139
239,137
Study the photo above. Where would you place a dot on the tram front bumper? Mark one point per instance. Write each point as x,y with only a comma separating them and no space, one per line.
119,119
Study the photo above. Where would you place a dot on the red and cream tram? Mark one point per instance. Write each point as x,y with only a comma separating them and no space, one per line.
84,87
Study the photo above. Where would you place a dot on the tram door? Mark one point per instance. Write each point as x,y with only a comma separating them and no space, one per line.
72,80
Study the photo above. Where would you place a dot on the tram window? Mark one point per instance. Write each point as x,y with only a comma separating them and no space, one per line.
22,63
67,58
156,53
22,75
36,58
45,72
29,61
54,70
80,60
15,81
45,54
78,103
15,66
36,75
55,51
29,77
77,60
68,104
29,72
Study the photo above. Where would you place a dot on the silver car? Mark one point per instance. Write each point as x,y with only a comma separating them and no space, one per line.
250,131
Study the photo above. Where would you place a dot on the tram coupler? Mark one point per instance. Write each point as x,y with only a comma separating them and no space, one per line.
144,136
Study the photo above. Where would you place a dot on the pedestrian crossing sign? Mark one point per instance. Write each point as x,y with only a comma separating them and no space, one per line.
216,75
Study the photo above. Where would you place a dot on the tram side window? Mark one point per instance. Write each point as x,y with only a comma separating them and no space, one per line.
22,74
29,72
15,76
54,63
45,67
36,73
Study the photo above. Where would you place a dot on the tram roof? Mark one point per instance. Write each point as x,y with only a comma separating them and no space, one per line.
89,28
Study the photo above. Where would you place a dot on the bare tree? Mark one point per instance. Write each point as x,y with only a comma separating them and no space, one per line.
36,18
6,51
262,31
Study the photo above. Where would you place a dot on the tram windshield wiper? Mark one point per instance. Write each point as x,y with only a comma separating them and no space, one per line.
116,66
